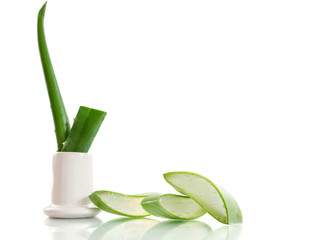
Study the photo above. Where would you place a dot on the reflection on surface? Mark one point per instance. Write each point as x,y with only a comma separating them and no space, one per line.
71,229
148,229
232,232
138,229
123,228
175,229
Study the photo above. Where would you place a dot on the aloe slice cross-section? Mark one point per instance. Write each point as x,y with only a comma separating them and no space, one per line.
214,199
172,206
120,204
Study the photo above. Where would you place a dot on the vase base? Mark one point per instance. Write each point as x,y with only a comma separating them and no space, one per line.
68,211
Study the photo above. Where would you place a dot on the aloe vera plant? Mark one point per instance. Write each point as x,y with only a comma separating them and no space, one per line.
87,121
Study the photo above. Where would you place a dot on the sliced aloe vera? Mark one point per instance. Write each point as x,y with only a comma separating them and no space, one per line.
214,199
172,206
120,204
123,228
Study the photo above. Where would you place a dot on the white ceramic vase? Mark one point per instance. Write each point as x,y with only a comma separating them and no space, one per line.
72,184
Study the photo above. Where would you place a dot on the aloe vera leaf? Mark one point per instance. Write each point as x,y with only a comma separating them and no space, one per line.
172,206
61,121
84,129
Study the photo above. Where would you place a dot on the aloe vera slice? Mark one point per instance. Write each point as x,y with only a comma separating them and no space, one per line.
123,228
61,121
178,230
120,204
214,199
172,206
85,127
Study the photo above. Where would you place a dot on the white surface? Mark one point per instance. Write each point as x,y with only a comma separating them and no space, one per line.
232,90
72,184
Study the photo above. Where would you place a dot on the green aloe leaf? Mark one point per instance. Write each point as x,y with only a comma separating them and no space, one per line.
85,127
61,121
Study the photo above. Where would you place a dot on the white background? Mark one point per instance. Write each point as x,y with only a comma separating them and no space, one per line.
232,90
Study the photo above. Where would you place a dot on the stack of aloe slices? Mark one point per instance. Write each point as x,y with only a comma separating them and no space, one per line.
88,120
200,196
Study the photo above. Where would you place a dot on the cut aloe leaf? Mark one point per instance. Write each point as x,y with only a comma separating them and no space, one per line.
214,199
178,230
85,127
123,228
120,204
172,206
